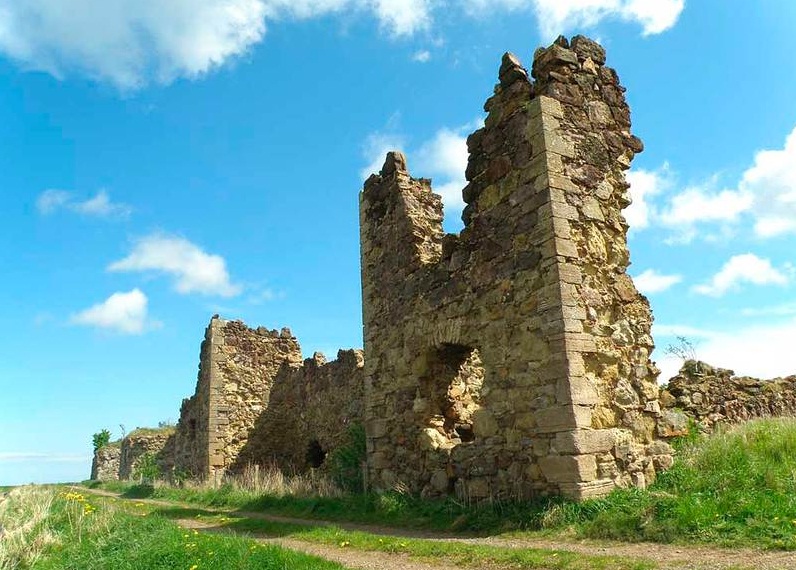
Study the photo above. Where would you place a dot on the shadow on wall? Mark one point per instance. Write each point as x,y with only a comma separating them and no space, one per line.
309,411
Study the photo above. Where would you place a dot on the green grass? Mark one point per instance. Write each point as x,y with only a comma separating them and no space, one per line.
459,554
165,430
736,488
390,508
88,533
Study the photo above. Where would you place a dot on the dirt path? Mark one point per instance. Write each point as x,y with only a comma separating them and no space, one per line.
347,557
685,557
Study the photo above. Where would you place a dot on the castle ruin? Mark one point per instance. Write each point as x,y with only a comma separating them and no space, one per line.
510,360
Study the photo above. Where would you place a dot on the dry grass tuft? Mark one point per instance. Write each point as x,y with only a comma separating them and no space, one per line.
25,530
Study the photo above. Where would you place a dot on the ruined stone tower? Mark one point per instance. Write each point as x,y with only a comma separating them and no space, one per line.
237,366
512,359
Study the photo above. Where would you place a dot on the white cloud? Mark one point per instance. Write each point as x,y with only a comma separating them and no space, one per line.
782,310
644,185
28,456
700,205
650,281
745,268
375,149
121,312
100,206
772,182
443,158
422,56
403,17
193,270
765,194
559,16
130,43
762,351
51,200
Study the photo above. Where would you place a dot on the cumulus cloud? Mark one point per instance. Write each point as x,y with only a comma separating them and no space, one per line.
765,195
761,350
130,43
700,205
644,186
781,310
422,56
772,182
745,268
443,158
559,16
193,270
650,281
29,456
375,149
124,313
100,206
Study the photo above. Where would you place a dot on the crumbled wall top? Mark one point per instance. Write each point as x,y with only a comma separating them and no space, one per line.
513,357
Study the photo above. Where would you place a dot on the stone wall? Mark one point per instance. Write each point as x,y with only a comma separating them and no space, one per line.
713,396
157,443
121,459
512,359
310,410
236,371
105,465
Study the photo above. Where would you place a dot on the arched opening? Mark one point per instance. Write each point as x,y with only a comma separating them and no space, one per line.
451,392
315,455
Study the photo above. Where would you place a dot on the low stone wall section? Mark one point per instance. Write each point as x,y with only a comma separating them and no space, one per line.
712,396
310,411
105,465
135,446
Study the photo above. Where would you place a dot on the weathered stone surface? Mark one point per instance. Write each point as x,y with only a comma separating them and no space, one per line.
569,468
309,412
157,443
509,360
495,351
105,465
578,442
711,395
255,402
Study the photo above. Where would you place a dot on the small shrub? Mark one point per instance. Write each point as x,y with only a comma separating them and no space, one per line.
101,439
345,462
147,469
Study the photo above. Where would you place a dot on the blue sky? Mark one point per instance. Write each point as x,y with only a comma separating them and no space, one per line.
162,162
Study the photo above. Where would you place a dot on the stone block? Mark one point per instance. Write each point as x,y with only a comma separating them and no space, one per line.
569,468
584,441
561,418
589,490
576,390
672,423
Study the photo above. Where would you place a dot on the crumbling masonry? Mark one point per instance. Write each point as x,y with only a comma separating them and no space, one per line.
512,359
508,361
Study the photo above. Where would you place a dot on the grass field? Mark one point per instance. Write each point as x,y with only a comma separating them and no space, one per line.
459,554
733,488
49,529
